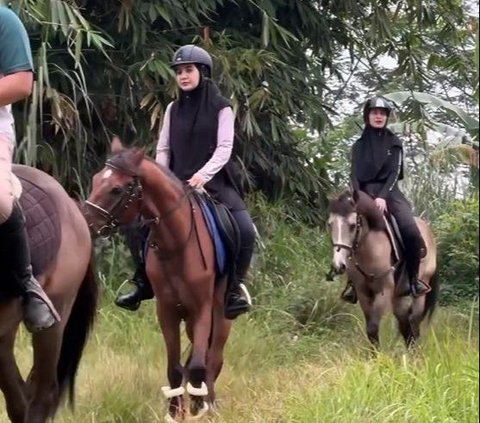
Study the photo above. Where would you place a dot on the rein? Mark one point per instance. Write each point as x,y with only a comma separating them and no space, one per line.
193,226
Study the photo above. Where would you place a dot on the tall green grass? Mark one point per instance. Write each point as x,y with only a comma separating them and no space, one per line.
300,356
279,377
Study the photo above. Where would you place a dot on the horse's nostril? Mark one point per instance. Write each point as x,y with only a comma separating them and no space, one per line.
339,269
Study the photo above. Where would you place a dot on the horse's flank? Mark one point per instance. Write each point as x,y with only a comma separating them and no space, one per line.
69,280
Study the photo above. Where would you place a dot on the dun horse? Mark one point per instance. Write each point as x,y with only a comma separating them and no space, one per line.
362,248
180,265
61,258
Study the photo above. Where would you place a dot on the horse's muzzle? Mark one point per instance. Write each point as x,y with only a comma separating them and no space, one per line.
101,225
339,269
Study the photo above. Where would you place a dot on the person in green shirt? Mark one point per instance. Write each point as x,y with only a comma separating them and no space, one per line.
16,83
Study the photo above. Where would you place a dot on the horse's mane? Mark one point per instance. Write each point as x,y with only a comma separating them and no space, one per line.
348,202
123,160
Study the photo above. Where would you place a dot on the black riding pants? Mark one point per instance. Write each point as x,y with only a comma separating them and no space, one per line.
400,207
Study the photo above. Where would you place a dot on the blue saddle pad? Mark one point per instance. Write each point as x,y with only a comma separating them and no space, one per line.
220,250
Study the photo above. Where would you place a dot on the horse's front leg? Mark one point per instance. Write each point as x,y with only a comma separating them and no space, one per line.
374,304
11,382
220,331
201,323
169,320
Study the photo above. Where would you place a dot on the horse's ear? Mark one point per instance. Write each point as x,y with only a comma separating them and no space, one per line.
116,145
138,154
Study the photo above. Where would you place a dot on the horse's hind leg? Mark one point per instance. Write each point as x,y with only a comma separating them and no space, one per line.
170,324
11,382
43,387
402,310
416,316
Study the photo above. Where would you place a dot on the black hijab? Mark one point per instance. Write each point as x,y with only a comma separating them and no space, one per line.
371,154
194,128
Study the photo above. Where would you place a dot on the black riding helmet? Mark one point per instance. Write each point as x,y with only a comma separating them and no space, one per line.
376,103
193,54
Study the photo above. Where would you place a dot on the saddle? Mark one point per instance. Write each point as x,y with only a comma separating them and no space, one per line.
396,239
224,232
398,250
42,222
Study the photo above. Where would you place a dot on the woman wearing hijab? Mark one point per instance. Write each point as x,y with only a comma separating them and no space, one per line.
196,143
376,168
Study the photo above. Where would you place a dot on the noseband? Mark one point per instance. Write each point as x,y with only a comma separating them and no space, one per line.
369,277
133,192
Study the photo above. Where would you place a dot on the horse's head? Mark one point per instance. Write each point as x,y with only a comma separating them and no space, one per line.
351,216
116,190
342,223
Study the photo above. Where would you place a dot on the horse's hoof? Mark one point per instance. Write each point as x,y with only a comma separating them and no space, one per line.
200,413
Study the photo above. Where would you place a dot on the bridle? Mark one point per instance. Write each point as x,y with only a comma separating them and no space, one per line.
132,193
369,277
356,239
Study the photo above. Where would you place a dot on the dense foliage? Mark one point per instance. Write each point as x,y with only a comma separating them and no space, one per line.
296,71
103,68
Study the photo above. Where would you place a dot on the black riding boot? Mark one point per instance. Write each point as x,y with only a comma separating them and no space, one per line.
136,237
238,299
16,268
349,294
142,290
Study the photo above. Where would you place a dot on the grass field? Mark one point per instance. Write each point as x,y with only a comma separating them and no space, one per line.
300,357
280,377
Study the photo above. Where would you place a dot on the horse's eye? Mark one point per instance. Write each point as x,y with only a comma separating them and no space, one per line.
351,227
116,191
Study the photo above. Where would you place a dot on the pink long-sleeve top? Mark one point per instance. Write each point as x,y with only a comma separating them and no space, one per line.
220,156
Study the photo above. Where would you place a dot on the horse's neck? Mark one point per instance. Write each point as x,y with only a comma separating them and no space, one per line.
160,191
165,199
373,243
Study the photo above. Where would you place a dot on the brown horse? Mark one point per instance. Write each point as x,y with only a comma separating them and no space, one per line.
362,248
180,265
61,258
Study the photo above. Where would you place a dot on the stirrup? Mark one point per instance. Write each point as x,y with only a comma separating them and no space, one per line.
33,290
349,294
244,289
37,316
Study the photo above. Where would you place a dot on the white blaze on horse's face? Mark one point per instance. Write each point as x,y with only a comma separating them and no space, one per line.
342,231
107,174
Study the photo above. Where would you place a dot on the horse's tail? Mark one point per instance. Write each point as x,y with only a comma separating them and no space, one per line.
76,332
431,298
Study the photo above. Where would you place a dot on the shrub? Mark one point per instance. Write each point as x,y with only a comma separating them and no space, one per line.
457,235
